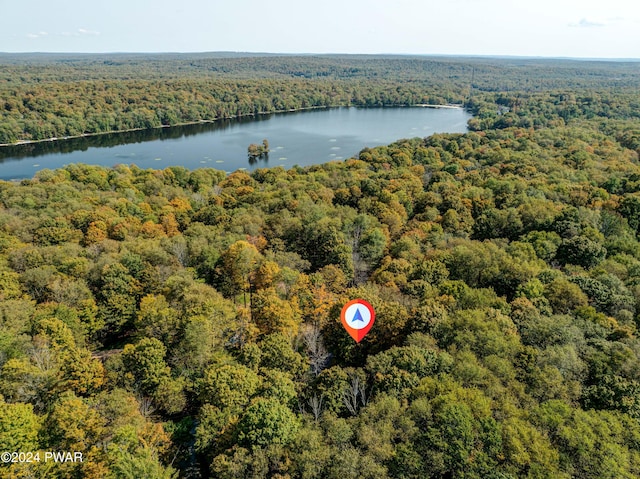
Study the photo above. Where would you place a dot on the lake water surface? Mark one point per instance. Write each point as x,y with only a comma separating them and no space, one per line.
299,138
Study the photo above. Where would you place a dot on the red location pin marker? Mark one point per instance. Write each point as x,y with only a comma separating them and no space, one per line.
357,318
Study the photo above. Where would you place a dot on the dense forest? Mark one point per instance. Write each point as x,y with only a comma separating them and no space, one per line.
175,323
50,96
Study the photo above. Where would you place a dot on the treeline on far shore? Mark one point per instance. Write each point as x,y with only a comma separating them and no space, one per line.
53,96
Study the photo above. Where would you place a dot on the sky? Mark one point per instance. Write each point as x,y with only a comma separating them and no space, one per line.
546,28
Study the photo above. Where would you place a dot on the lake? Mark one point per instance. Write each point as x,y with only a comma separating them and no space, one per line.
297,138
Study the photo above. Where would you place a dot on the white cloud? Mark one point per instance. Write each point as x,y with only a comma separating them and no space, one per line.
79,32
584,23
84,31
37,35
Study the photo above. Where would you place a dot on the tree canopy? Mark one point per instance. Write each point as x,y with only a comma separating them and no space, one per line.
176,323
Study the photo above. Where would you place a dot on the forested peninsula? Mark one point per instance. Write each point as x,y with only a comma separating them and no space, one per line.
176,323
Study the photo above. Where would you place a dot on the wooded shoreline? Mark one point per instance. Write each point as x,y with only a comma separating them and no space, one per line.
199,122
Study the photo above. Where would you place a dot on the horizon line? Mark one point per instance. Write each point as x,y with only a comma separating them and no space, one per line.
259,53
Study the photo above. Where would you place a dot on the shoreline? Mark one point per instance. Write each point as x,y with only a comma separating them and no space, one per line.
293,110
187,123
449,106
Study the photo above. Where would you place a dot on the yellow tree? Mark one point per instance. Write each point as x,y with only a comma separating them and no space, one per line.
273,314
238,266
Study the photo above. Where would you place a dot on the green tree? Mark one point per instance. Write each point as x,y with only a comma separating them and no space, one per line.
582,251
229,385
278,353
267,422
20,427
156,319
117,296
145,362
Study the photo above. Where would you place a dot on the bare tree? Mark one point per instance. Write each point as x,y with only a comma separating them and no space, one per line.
361,267
180,250
145,406
70,292
35,386
315,404
355,395
42,357
318,355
